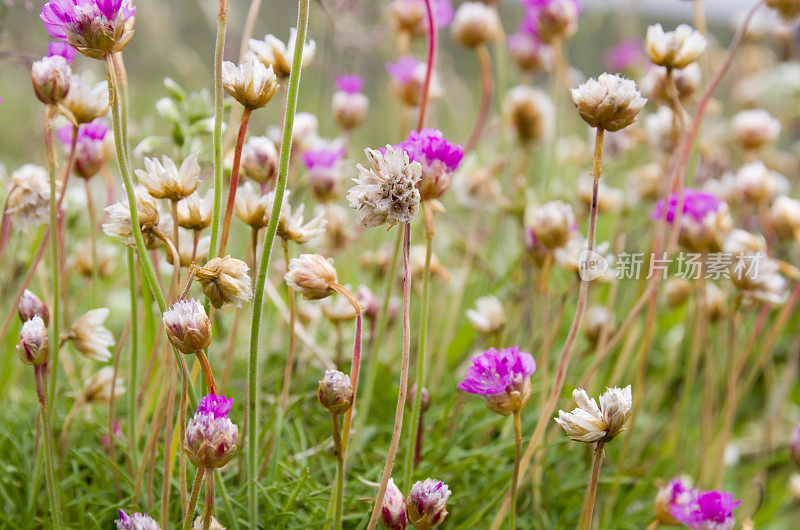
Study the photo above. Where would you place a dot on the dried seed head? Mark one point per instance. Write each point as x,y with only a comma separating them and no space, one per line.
335,392
34,346
530,113
259,159
757,183
119,218
101,386
272,52
350,109
552,223
475,24
194,211
530,54
393,510
312,275
686,80
225,281
29,196
674,49
164,180
292,225
610,102
107,258
426,504
386,192
136,521
646,181
51,79
86,102
608,199
187,325
589,423
90,337
714,302
251,83
676,292
755,129
30,306
784,217
253,208
557,20
488,316
598,320
407,77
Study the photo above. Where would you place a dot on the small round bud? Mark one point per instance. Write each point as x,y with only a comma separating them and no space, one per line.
407,15
251,83
335,392
610,102
475,24
425,398
51,79
686,80
674,49
225,281
187,325
530,113
552,223
259,159
426,504
350,110
676,292
34,346
30,306
530,54
755,129
312,275
393,509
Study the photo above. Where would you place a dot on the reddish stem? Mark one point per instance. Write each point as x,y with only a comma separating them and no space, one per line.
487,86
423,106
234,182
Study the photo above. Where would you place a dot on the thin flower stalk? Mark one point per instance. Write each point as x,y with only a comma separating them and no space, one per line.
234,181
403,389
263,262
219,94
188,516
487,84
134,359
591,490
208,507
47,448
515,476
429,62
49,139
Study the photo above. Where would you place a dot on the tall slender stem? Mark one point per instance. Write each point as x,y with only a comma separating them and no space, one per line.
338,491
485,62
92,238
234,182
219,48
558,384
189,514
431,58
47,448
182,432
49,140
133,366
421,351
287,371
208,374
170,410
208,508
401,394
591,490
512,515
263,263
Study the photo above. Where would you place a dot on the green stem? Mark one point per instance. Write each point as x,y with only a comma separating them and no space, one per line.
512,513
591,491
132,438
189,515
421,353
49,140
263,262
216,219
223,493
47,447
338,492
208,508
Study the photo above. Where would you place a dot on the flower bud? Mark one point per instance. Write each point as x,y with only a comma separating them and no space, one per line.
187,325
530,54
676,493
194,211
407,15
30,306
225,281
557,20
755,129
674,49
488,316
90,337
552,223
259,159
530,113
784,217
164,180
686,82
598,320
211,436
34,346
51,79
312,275
475,24
393,510
610,102
425,398
676,292
426,504
101,386
251,83
335,392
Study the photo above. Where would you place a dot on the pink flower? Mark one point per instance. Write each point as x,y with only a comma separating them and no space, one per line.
323,157
93,27
624,55
349,84
218,406
403,70
63,49
696,205
493,371
708,510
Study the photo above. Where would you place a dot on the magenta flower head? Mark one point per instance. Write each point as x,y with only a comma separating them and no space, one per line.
136,521
61,49
407,75
502,377
696,205
211,436
393,510
91,146
707,510
530,53
624,55
552,20
438,158
349,84
705,221
93,27
402,71
678,492
325,171
426,505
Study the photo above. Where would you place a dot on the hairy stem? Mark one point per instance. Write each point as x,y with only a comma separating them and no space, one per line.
234,182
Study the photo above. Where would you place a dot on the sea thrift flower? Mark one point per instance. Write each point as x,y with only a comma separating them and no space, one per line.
252,207
335,392
29,196
705,220
502,378
91,146
686,80
393,510
194,212
187,325
610,102
259,159
93,27
426,504
101,386
90,337
754,129
119,218
678,492
488,316
674,49
598,320
211,436
756,183
751,269
552,20
251,83
475,24
86,102
51,79
438,158
325,171
530,53
707,510
407,76
274,53
136,521
553,223
292,225
530,112
62,49
386,191
312,275
589,423
624,55
225,281
164,180
30,306
34,346
349,105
